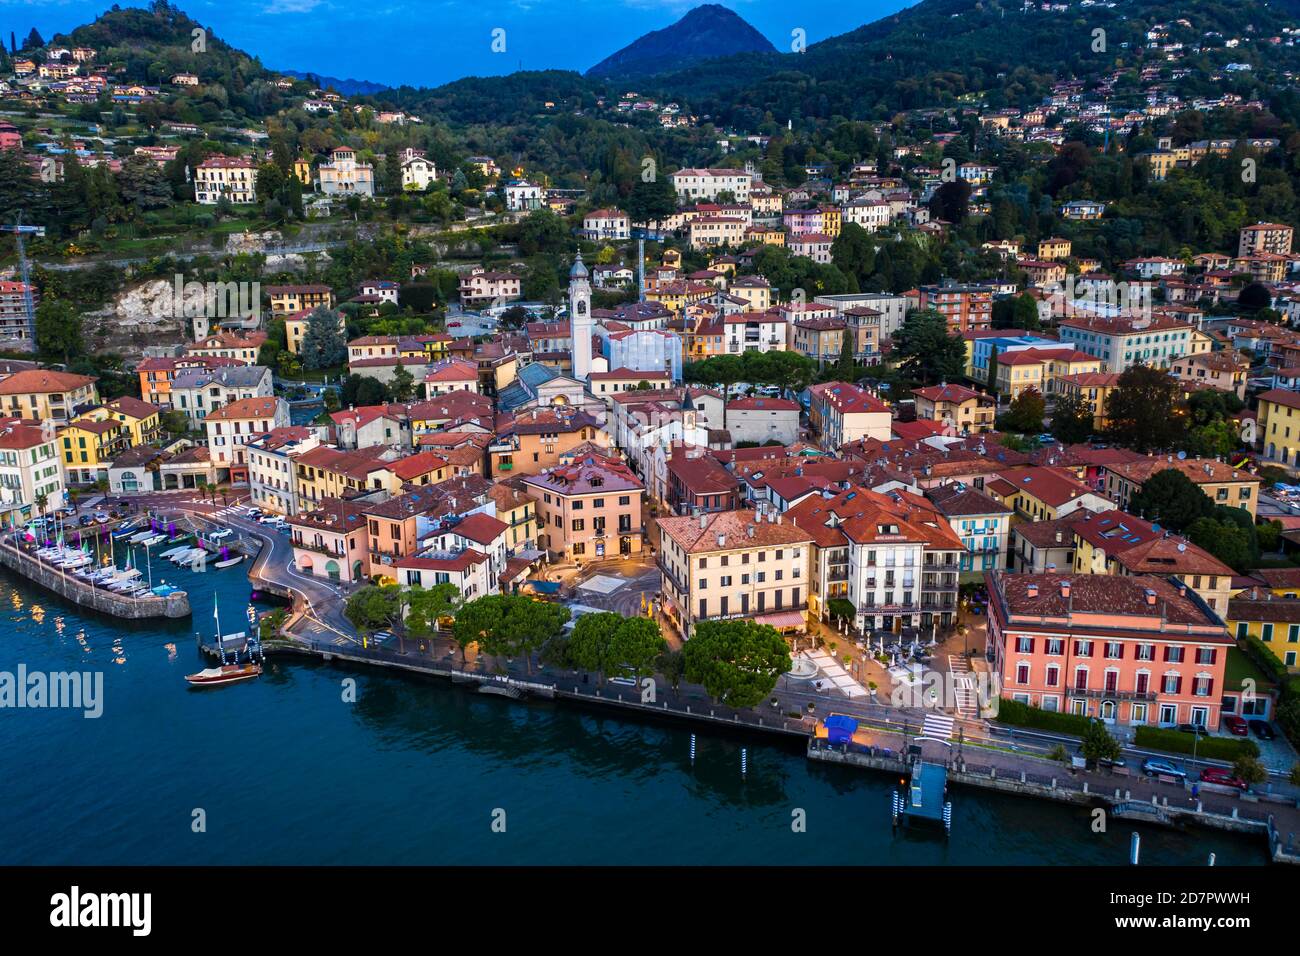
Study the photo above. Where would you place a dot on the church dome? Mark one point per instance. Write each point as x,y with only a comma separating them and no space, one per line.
579,271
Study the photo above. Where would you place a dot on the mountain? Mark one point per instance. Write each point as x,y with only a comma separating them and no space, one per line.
704,33
346,87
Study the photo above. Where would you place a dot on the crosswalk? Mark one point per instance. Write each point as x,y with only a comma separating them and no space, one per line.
937,726
963,686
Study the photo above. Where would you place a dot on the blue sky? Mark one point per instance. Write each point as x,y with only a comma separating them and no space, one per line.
427,42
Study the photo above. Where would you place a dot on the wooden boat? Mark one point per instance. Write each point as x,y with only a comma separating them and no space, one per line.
226,674
230,562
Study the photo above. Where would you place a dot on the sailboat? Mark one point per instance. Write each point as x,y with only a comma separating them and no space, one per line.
226,673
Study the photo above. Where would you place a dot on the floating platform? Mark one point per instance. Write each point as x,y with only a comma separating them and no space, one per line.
926,800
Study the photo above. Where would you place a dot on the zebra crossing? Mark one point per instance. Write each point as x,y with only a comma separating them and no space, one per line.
963,686
937,726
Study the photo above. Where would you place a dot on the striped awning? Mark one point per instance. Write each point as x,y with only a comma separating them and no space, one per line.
782,620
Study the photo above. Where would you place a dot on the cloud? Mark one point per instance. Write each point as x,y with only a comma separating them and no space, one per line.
292,6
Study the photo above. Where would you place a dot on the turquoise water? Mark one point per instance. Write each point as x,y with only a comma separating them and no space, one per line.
413,772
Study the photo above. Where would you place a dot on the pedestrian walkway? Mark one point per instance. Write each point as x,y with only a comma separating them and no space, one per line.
832,671
937,726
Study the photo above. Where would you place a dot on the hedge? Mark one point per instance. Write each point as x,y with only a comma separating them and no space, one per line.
1023,715
1179,741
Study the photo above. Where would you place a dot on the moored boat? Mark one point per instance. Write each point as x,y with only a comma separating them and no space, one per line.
230,562
226,674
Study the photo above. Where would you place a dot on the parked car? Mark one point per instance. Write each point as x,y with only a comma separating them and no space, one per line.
1262,730
101,517
220,535
1193,729
85,520
253,513
1155,765
1225,778
1234,725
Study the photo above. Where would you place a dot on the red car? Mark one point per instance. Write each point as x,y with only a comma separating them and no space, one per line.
1222,777
1236,726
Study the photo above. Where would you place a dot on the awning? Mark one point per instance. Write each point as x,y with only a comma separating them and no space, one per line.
782,620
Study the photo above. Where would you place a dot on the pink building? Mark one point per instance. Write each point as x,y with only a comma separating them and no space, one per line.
588,510
1130,650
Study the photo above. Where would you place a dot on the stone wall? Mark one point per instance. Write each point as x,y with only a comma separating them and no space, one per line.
176,604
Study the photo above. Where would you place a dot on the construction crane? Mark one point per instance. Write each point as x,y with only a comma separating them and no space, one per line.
24,273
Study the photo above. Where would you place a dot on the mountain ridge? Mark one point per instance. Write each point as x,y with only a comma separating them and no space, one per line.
704,32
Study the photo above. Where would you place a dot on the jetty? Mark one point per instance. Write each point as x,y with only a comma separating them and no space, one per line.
85,593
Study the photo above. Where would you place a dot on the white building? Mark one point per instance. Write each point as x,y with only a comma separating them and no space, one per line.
29,468
693,185
272,483
523,196
234,177
344,176
606,224
580,319
418,173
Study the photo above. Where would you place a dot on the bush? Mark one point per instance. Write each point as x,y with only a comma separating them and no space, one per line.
1023,715
1180,742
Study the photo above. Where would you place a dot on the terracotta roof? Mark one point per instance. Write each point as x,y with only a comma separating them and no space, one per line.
42,381
700,535
481,528
1104,595
245,408
1200,470
134,407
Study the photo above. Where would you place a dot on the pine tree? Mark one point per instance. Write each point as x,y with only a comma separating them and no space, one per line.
322,344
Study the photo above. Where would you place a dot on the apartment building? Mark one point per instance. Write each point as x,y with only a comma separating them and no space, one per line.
231,177
197,391
271,467
1126,650
734,564
693,185
31,476
329,541
982,523
755,332
965,307
606,225
893,556
14,331
588,509
959,408
1279,425
236,345
1122,342
841,413
44,394
530,441
292,299
479,286
1264,237
89,447
1220,482
230,427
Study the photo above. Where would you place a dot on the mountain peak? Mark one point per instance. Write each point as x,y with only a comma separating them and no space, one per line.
705,32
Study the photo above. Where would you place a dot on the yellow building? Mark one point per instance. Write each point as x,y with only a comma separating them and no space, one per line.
288,299
88,446
302,169
44,394
1221,483
1093,389
766,235
517,510
755,290
1273,621
1050,250
141,420
1279,426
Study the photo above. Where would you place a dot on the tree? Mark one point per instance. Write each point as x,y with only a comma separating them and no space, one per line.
174,422
610,644
323,345
1226,542
375,608
403,384
58,330
1249,769
844,371
1072,420
426,605
508,625
1172,499
737,662
926,350
1026,412
1144,410
951,201
651,202
1098,744
143,184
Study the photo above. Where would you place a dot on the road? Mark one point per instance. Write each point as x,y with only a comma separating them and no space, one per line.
321,601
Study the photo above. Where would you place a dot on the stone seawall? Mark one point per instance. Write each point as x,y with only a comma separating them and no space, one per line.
176,604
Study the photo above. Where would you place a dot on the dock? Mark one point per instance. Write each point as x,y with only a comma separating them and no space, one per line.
74,589
926,800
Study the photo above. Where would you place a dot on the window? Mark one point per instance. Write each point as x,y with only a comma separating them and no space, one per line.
1022,673
1024,645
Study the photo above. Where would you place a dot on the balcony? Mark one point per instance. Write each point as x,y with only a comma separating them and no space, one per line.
319,549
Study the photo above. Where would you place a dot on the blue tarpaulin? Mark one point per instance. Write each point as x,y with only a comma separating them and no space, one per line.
839,729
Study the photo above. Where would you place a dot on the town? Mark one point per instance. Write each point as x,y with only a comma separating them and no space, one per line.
968,436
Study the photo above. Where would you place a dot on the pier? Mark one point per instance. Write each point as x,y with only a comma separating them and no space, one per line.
84,593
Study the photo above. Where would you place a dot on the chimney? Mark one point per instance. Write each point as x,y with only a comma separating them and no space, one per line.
1065,589
1058,537
1032,590
1150,596
722,540
749,530
704,520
